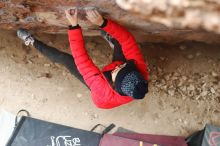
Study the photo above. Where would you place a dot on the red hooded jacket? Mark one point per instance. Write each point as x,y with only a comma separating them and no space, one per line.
103,95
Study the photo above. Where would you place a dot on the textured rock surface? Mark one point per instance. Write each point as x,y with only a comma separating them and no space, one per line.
157,20
178,13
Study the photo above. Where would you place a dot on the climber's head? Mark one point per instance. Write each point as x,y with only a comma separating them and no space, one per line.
128,81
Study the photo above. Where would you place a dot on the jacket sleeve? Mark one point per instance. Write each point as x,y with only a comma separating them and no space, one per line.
129,46
83,62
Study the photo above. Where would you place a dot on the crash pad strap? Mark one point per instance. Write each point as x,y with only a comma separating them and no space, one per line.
16,118
106,130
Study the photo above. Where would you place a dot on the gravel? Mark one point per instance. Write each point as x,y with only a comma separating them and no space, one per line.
199,86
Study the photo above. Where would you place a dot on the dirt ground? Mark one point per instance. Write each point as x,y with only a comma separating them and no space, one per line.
184,91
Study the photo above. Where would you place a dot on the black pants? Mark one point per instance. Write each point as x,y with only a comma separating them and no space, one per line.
68,61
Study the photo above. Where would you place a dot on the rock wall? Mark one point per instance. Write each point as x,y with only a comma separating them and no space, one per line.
149,20
194,14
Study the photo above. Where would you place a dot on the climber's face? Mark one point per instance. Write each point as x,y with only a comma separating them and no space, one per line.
116,71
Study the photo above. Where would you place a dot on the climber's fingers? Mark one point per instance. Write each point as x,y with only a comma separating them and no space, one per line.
97,13
73,12
67,12
93,14
94,17
71,15
89,14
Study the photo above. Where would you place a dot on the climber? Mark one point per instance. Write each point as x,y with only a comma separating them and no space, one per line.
120,82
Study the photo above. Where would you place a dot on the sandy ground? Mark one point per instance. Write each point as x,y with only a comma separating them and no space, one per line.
184,86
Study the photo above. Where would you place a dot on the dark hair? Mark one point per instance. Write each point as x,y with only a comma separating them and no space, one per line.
131,64
108,76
